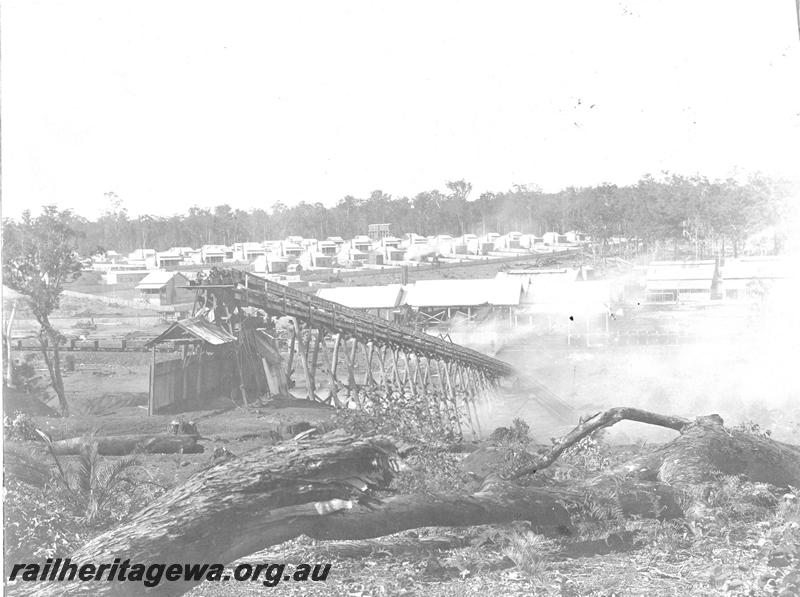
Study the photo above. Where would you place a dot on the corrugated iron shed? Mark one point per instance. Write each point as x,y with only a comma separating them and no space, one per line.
748,268
681,270
194,328
551,295
365,297
464,293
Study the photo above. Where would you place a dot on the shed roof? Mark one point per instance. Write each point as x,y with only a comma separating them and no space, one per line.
659,271
558,295
157,279
699,284
755,267
194,328
464,293
365,297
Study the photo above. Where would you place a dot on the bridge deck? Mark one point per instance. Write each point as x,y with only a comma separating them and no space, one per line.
279,299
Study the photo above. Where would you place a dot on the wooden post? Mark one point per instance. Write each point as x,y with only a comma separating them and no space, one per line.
314,358
411,378
268,378
185,372
395,372
301,354
453,400
441,396
290,358
382,365
333,393
407,366
151,401
237,358
368,351
199,375
465,392
426,377
352,385
474,398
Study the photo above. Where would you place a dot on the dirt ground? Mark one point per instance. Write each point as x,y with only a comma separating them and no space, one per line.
752,380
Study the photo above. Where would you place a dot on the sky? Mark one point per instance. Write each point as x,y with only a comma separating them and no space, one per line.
174,104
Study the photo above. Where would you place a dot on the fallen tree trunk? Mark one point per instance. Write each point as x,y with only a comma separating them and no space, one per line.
595,423
124,445
322,487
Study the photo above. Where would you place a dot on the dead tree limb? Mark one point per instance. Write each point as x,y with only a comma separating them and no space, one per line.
594,423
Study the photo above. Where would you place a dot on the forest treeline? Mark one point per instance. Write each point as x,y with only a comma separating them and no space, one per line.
669,208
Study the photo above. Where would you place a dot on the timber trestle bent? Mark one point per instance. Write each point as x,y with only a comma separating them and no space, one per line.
379,358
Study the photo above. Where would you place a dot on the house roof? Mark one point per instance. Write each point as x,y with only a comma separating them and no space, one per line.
141,253
214,249
157,279
464,293
194,328
365,297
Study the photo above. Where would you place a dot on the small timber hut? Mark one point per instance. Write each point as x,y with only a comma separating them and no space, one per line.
198,374
213,363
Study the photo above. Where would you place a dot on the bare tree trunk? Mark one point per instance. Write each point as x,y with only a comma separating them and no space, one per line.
48,335
9,348
58,381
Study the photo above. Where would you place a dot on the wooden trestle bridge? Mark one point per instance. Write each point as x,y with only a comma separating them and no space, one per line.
351,354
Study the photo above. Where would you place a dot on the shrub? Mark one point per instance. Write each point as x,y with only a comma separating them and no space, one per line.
753,428
20,426
415,420
734,498
39,523
526,550
79,500
513,442
589,456
101,492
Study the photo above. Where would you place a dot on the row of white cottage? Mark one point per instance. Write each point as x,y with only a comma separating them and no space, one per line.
532,292
333,251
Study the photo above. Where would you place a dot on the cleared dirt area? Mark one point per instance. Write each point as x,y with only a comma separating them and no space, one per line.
749,381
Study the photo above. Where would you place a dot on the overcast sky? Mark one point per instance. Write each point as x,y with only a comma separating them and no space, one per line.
173,104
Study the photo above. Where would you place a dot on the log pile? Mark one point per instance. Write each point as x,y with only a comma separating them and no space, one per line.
123,445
